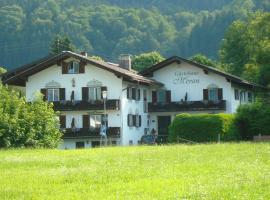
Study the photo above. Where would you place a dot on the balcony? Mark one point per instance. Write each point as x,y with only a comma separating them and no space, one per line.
113,132
111,104
187,106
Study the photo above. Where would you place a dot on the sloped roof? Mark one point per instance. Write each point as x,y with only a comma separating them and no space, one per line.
19,76
234,79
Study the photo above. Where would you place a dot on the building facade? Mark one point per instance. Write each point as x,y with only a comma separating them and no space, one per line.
97,98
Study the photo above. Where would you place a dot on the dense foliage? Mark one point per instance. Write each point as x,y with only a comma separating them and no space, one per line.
108,28
202,59
145,60
2,70
203,127
26,125
60,44
246,48
253,119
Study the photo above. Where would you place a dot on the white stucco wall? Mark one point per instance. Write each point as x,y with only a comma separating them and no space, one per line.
54,73
128,106
173,79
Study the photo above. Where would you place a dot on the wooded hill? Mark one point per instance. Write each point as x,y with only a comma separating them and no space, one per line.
107,28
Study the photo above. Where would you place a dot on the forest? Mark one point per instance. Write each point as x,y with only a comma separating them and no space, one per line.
107,28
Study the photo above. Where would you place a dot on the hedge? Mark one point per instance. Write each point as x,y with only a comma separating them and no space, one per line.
253,119
203,127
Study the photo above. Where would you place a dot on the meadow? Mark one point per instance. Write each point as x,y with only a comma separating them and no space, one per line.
205,171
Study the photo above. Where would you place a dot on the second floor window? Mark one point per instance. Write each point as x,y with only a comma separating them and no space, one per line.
53,95
73,67
94,93
95,121
213,94
161,98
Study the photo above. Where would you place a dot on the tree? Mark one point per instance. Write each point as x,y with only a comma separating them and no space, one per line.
145,60
246,47
2,70
25,124
61,43
202,59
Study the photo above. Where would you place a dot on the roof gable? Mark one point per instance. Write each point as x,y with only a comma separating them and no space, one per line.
20,75
176,59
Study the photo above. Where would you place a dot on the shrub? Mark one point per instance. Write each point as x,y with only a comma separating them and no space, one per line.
26,125
203,127
253,119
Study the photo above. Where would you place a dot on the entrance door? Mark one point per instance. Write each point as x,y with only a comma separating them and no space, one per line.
79,145
163,124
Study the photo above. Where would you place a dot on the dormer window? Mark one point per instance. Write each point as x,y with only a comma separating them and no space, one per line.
73,67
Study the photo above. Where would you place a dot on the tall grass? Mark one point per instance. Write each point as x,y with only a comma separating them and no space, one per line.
225,171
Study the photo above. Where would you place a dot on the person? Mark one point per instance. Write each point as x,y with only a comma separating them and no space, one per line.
103,134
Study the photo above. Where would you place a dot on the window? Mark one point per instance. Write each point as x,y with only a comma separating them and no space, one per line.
249,97
137,120
133,93
236,94
145,95
53,94
161,96
130,120
213,94
95,121
73,67
243,96
94,93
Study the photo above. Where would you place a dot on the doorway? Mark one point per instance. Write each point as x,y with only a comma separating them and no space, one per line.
163,126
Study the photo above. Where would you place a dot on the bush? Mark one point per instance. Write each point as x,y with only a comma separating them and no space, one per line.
203,127
253,119
26,125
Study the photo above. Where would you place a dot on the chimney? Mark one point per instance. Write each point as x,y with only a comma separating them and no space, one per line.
125,61
84,53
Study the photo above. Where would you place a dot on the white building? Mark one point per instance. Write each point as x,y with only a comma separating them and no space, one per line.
135,104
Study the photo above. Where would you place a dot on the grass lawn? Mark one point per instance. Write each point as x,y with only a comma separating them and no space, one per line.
213,171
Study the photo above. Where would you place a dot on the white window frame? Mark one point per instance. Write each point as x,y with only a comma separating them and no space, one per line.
97,93
55,94
95,124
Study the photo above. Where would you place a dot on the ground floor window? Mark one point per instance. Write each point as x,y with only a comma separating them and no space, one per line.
80,145
95,144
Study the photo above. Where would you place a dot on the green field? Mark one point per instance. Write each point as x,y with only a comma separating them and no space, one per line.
213,171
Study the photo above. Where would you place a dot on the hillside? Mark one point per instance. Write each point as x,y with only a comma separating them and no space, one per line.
213,171
108,28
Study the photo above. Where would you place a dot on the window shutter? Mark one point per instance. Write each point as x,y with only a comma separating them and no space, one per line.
104,88
205,94
82,67
220,93
134,93
138,94
43,91
133,120
128,94
62,94
168,96
128,120
86,121
64,68
154,96
85,93
62,120
140,120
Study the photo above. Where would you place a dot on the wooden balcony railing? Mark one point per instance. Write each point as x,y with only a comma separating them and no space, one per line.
111,104
187,106
113,132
